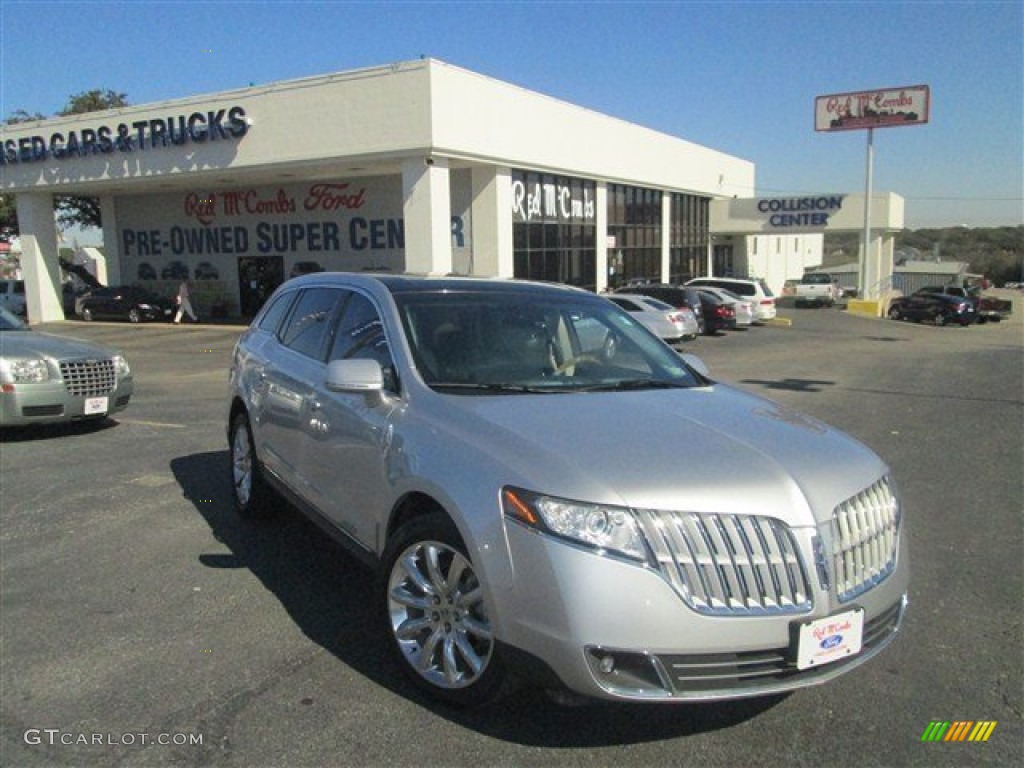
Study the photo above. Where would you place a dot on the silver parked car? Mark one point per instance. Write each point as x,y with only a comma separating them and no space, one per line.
46,378
550,493
669,323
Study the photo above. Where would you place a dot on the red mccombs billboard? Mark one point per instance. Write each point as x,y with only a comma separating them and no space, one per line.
872,109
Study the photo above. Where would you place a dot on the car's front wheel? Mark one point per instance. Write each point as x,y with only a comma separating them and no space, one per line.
895,314
86,314
249,489
436,614
134,316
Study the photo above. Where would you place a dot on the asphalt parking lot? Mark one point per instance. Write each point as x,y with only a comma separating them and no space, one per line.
139,616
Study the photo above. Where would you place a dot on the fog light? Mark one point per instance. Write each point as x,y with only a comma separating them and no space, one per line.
635,675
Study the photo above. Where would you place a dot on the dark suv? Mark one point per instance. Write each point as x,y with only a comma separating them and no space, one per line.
676,295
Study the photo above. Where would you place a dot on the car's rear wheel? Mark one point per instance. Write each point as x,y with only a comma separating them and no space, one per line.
86,314
941,319
134,316
249,489
437,619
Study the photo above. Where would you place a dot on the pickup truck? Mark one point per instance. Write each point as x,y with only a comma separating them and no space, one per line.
817,288
985,307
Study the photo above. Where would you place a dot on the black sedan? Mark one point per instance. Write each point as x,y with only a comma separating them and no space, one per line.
124,302
934,307
718,316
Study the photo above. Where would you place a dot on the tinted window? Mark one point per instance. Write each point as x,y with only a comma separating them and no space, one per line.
272,317
360,333
307,326
626,304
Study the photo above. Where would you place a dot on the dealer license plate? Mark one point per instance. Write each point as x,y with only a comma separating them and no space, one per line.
830,639
95,405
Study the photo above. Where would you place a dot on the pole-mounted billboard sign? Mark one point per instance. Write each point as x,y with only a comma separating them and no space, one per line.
883,108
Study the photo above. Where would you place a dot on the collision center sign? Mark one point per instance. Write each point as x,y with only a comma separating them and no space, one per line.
872,109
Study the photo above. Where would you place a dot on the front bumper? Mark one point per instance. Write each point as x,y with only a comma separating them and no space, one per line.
50,402
614,630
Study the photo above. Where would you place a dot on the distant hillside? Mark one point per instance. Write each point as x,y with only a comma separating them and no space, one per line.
997,252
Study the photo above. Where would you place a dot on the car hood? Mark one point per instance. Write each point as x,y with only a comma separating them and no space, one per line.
710,449
35,343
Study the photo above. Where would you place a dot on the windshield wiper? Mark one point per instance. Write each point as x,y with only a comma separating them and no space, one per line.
492,388
632,384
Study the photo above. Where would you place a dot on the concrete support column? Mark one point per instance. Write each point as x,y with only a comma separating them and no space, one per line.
111,243
491,210
39,258
666,237
428,212
601,237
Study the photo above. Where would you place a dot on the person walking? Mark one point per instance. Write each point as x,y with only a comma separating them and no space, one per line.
184,303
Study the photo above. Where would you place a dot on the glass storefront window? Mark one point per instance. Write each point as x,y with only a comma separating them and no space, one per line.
554,222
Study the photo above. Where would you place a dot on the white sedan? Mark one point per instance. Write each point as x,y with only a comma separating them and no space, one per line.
744,307
669,323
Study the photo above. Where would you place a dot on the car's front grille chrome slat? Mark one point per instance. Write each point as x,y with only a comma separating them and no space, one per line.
728,564
865,531
88,378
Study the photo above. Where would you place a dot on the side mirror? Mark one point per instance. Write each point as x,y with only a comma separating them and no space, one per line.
360,376
697,364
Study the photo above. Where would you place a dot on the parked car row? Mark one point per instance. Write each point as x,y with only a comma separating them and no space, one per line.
719,304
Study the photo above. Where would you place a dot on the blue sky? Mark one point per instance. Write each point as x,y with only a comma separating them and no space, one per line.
740,77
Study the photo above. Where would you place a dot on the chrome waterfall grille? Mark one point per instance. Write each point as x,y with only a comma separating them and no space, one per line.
88,378
865,538
739,565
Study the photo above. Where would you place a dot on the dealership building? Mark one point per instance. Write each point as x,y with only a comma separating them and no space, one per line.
418,166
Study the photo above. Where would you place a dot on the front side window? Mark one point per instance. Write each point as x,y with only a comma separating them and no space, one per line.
307,326
360,333
271,319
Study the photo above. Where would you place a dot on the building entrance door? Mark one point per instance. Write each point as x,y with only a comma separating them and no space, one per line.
258,276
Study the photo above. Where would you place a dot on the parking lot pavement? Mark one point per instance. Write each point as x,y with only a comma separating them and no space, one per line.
139,616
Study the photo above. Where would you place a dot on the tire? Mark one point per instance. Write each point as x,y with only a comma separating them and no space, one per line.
439,631
895,314
134,316
87,314
248,488
941,320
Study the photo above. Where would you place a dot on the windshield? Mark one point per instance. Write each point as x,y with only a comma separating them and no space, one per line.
10,322
471,342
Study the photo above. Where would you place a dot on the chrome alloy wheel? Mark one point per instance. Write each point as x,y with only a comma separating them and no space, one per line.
241,465
438,616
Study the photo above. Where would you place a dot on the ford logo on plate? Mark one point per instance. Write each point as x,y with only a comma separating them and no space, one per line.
831,642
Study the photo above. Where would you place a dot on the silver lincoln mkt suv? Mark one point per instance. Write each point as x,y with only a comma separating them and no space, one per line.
514,459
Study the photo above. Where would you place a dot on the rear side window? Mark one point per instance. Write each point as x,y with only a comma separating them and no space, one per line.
307,326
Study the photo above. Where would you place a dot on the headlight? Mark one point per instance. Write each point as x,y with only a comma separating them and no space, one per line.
121,366
29,371
607,529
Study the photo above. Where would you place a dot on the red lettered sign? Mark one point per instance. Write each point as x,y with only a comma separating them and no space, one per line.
872,109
